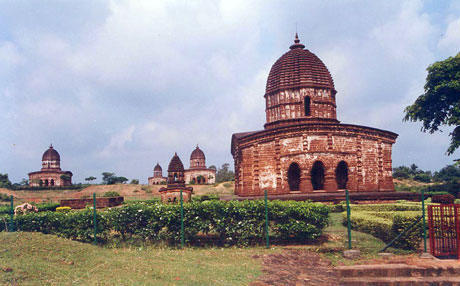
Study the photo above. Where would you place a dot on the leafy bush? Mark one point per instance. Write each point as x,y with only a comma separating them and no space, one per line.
443,199
231,222
152,201
4,198
422,177
388,224
63,209
430,194
76,225
452,188
338,208
202,198
44,207
111,194
387,207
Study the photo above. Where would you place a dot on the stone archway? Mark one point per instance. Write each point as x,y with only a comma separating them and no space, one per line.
317,175
341,175
294,177
52,183
46,183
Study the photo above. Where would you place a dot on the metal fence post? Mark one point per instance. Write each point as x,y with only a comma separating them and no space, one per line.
348,219
267,235
424,221
94,219
182,235
11,214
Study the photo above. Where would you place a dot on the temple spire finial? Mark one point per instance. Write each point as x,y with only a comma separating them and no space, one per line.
297,44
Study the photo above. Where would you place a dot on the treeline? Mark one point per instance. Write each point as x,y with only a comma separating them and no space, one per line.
450,173
446,180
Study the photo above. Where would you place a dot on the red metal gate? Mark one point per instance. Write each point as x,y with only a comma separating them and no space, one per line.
444,230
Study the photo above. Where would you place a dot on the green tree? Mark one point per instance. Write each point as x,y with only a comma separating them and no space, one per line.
134,182
4,181
24,182
440,103
90,179
65,177
401,172
447,174
224,174
108,178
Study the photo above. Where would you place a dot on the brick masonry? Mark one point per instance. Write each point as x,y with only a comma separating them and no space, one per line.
100,202
303,147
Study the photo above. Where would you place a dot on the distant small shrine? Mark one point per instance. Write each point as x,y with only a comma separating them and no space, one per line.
51,174
157,178
176,183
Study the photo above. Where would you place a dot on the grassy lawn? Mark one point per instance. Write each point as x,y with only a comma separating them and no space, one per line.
38,259
369,245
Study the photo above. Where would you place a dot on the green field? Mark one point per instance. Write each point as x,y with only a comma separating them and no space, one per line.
38,259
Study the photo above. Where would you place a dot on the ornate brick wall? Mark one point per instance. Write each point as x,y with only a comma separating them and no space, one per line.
303,147
196,176
263,159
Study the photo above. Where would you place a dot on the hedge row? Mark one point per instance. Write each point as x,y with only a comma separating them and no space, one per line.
399,206
386,225
229,222
43,207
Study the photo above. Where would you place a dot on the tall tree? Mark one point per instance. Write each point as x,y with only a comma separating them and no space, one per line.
90,179
440,104
108,178
224,173
4,181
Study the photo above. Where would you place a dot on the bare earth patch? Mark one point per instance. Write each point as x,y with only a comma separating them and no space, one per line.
295,267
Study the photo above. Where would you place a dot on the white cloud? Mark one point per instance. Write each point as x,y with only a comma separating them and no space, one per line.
118,142
133,81
450,41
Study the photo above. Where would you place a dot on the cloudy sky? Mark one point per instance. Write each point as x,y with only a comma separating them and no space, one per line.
119,85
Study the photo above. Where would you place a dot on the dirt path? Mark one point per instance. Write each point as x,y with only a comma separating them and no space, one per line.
295,267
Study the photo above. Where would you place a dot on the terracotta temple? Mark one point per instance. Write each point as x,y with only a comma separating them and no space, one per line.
157,178
176,183
303,148
198,173
51,174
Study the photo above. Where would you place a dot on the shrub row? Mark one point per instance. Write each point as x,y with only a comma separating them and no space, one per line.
43,207
443,199
76,225
400,206
229,222
387,225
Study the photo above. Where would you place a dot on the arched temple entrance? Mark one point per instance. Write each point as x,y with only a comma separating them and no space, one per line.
294,177
341,175
317,175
